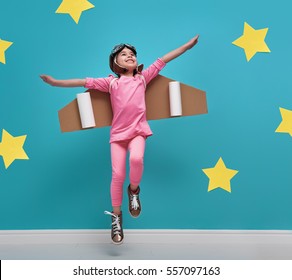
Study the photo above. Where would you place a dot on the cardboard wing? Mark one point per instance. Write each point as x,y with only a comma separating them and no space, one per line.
157,105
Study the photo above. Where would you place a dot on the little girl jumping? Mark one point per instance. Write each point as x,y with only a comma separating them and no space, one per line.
129,129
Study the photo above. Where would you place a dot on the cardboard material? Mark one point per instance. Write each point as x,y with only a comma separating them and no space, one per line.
157,105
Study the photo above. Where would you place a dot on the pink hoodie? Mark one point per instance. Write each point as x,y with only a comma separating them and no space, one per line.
128,101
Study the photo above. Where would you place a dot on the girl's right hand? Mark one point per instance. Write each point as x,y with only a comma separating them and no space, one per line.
48,79
63,83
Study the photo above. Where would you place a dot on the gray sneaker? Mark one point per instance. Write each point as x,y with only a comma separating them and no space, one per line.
117,233
134,202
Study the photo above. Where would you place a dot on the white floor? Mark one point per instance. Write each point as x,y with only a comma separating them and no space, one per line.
145,251
139,245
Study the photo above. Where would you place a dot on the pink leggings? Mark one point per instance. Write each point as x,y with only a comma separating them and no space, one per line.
136,147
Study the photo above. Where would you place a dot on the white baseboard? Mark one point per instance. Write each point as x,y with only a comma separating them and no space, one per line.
147,236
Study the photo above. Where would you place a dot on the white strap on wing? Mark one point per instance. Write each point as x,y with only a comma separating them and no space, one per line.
111,84
143,79
113,80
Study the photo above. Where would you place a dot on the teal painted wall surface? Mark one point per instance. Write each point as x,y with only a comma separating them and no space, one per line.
65,182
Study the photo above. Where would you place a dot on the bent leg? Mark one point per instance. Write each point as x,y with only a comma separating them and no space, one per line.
136,148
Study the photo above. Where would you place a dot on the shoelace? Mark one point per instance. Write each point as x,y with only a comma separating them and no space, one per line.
134,201
116,222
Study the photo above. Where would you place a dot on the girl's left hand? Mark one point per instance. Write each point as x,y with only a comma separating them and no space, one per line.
192,42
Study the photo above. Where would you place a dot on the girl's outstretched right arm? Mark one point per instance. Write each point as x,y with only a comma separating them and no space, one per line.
63,83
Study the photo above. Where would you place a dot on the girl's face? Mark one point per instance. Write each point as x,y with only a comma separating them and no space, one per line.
126,58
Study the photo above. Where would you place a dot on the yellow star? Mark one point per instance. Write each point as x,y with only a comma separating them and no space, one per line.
11,148
286,124
74,8
252,41
4,45
219,176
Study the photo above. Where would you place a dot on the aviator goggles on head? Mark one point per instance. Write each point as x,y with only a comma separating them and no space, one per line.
119,47
115,67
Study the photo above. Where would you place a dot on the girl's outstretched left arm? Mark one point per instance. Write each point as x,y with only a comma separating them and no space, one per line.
180,50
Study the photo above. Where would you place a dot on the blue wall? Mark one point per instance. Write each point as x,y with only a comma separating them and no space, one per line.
65,182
